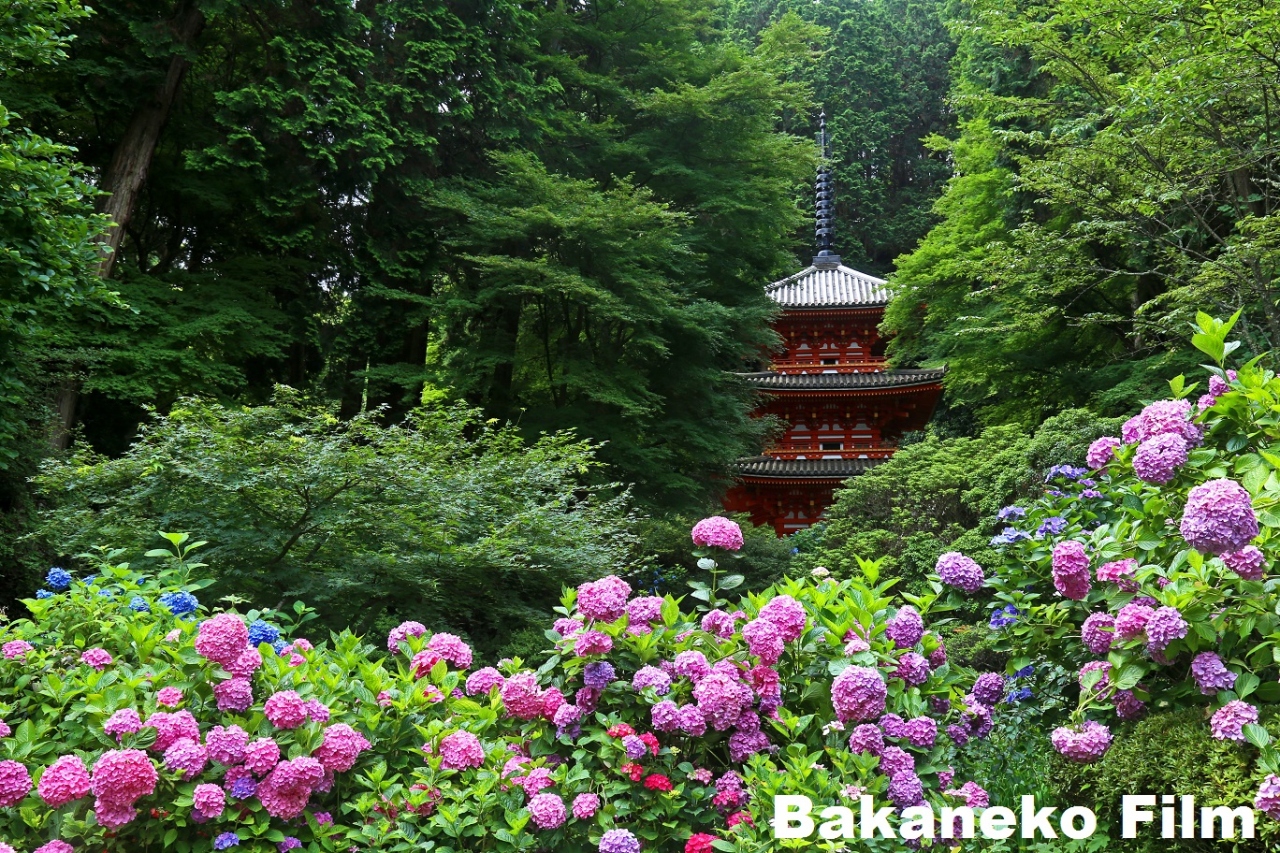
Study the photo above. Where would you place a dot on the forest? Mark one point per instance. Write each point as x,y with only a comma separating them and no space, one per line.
381,313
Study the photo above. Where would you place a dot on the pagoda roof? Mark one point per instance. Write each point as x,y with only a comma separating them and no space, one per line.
829,285
844,381
833,469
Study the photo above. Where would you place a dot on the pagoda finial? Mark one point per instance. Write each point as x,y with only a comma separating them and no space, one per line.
825,205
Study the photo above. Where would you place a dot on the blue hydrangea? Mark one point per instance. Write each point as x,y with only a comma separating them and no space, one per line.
1022,694
1026,672
1091,493
260,632
1004,616
278,646
58,579
243,788
106,593
1065,471
225,840
90,581
179,603
1087,481
1051,526
43,593
139,605
1011,512
1008,536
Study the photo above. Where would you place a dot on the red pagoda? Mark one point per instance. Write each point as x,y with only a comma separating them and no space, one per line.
844,409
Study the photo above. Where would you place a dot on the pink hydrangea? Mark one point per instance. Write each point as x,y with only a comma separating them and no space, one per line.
209,800
955,569
1211,674
604,600
866,739
1268,799
15,783
451,648
261,756
1158,458
591,643
692,721
423,662
222,638
99,659
1083,744
1132,620
402,632
975,797
905,628
246,664
547,811
226,744
286,709
787,615
1119,572
1071,569
234,695
720,698
1219,518
1128,705
522,697
1101,452
1163,417
720,623
172,727
123,722
585,806
763,640
1098,632
317,711
186,756
15,649
718,532
1248,562
340,748
912,668
1165,626
65,781
645,610
858,693
287,788
55,846
169,697
691,664
480,682
1228,722
120,778
1096,666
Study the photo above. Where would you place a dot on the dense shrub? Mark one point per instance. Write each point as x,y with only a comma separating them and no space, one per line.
443,518
647,721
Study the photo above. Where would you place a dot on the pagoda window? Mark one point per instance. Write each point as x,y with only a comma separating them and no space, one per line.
832,445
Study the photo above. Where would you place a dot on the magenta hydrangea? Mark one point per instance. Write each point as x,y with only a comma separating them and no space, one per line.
1095,666
720,623
547,810
721,698
15,649
1101,452
1098,632
64,781
912,668
905,628
906,790
480,682
1128,705
461,750
1083,744
186,756
522,697
99,659
858,693
1132,620
585,806
209,800
1218,517
1228,722
1267,800
1119,572
55,846
787,615
955,569
286,709
1071,569
123,722
604,600
988,688
234,695
169,697
222,638
691,664
763,640
402,632
246,664
340,748
693,721
226,744
645,610
261,755
120,778
1248,562
1165,625
1163,417
1157,459
452,648
289,785
590,643
652,676
920,732
173,727
866,739
718,532
1211,674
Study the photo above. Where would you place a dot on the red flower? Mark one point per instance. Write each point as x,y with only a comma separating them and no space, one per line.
621,730
635,771
699,842
739,817
651,741
657,782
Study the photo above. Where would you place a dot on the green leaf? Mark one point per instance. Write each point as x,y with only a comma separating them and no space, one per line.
731,582
1256,735
1246,683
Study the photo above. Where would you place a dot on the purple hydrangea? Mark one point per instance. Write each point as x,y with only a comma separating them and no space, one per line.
866,738
1119,572
651,676
1129,706
906,790
1101,452
1096,666
858,693
905,628
1164,417
635,747
1219,518
913,669
1211,674
988,688
1084,744
619,841
894,761
691,665
955,569
1165,626
1228,722
1268,798
1097,632
764,640
597,675
1071,569
1158,459
1132,620
920,732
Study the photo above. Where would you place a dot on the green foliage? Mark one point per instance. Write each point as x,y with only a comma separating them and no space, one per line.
443,518
943,494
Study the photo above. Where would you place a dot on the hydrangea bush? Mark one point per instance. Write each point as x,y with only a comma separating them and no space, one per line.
1147,570
648,726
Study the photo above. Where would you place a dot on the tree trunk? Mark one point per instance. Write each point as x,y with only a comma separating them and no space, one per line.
128,170
125,177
